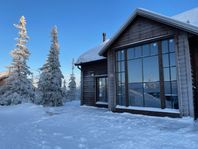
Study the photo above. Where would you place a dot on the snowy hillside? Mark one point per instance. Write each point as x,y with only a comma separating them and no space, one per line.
28,126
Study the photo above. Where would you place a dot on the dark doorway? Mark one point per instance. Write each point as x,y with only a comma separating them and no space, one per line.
193,43
101,93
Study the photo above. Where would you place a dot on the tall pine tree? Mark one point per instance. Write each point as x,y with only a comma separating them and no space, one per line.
18,87
50,81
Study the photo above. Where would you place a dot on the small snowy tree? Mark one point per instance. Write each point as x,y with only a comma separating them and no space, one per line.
18,87
50,81
72,85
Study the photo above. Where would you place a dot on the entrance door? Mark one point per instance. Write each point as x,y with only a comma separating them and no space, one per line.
194,63
101,89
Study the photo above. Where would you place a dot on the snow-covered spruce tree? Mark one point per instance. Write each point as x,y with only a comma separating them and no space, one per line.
18,87
50,81
72,85
64,91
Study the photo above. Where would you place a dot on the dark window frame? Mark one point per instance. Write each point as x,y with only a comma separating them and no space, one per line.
97,87
160,64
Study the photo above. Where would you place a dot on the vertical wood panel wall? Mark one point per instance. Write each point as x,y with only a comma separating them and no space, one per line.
89,70
184,75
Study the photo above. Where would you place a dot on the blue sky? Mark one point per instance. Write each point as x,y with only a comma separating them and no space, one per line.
80,24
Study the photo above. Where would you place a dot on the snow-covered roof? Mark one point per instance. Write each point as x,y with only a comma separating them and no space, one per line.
92,54
171,21
190,16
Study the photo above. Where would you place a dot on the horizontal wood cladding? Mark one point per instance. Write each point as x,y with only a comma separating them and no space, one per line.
142,29
89,71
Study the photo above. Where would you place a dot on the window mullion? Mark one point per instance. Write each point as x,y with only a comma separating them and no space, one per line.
126,79
161,75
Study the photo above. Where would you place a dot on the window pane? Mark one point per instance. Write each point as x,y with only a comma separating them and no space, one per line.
135,88
165,60
151,82
154,48
171,45
138,52
165,46
102,92
173,73
135,92
135,70
174,87
172,59
121,77
120,55
152,94
131,53
146,50
121,66
151,69
166,74
167,83
121,94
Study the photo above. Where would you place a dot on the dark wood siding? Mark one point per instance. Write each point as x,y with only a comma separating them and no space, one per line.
142,29
89,71
194,61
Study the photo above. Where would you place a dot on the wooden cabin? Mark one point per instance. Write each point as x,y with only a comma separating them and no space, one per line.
150,66
3,76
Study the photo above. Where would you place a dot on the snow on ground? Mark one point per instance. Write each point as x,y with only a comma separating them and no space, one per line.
28,126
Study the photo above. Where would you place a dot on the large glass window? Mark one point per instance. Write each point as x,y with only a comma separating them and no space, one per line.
169,69
120,73
141,65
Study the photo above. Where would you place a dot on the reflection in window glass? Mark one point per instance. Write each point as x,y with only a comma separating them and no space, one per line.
135,93
164,46
121,94
165,60
121,66
166,74
120,55
173,73
152,94
135,70
151,82
146,50
171,45
172,59
151,69
138,52
135,88
102,89
121,78
154,48
131,53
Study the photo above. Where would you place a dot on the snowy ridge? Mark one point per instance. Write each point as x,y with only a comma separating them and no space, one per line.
190,17
92,54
